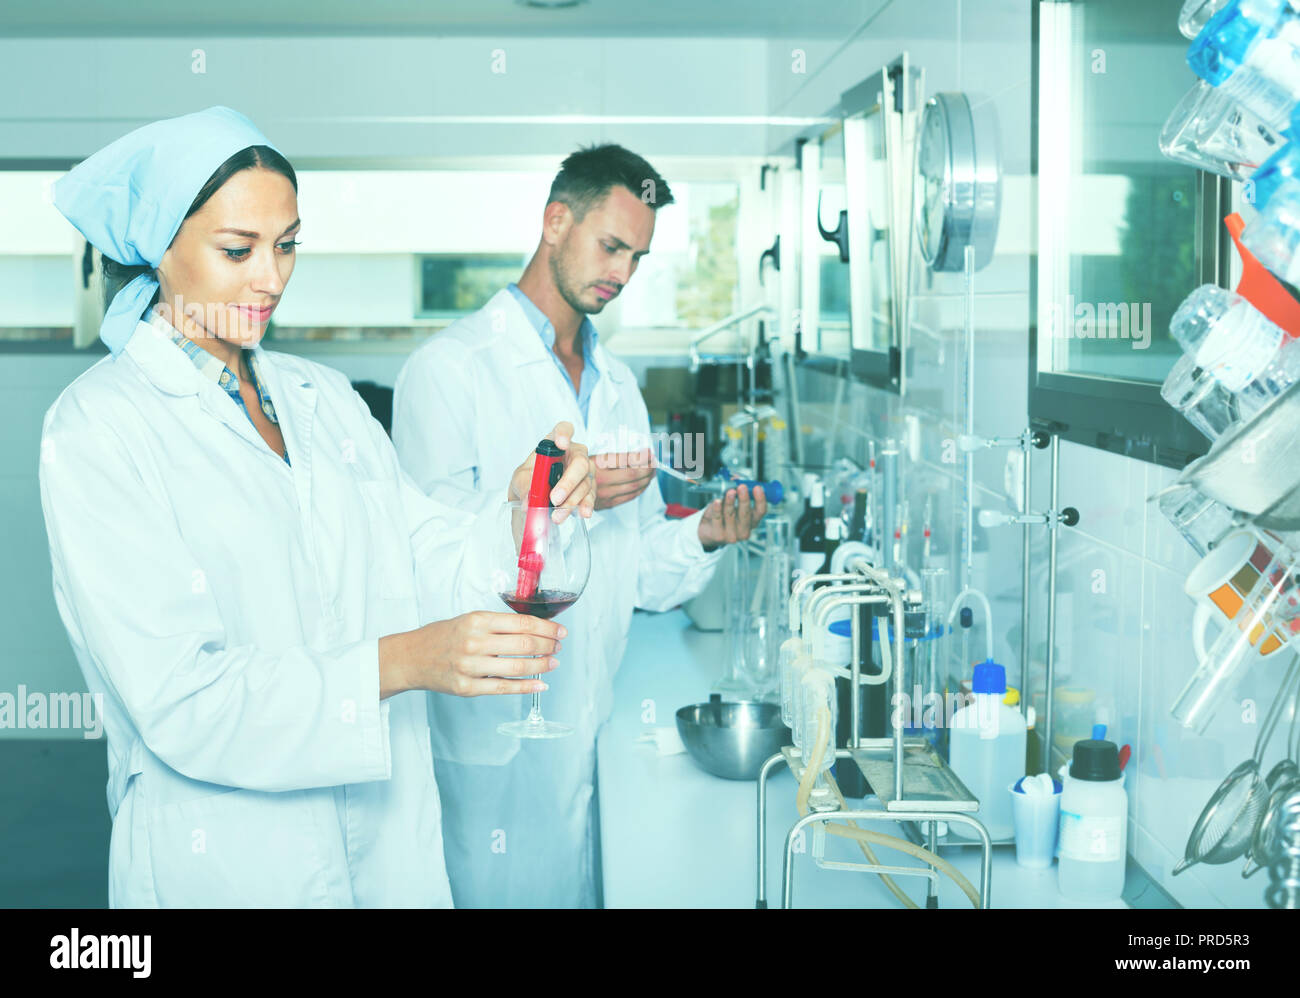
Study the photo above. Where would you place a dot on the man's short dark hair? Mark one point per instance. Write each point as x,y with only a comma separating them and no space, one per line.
589,174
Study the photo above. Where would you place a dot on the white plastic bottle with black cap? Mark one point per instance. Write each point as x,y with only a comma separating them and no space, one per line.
1094,824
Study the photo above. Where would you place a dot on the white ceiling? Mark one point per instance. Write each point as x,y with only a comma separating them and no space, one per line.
607,18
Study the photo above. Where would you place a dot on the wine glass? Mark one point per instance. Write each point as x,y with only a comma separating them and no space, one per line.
539,567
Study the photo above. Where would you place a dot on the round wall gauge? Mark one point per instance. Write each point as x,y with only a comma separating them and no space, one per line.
958,182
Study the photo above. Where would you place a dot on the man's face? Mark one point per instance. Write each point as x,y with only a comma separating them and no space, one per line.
594,258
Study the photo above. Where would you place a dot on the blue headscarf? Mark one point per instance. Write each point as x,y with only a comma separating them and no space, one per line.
130,198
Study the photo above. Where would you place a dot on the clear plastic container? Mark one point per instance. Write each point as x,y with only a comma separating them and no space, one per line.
1249,51
801,664
1202,521
1200,397
1037,820
986,749
1211,131
766,622
1196,13
818,689
1273,235
1213,409
1225,335
1280,167
791,650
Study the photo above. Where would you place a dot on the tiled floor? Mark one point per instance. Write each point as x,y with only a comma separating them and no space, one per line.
54,824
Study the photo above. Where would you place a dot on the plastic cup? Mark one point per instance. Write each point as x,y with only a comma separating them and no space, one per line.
1036,819
1202,521
1211,131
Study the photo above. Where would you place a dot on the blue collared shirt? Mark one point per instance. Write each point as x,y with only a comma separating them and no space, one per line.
587,332
213,369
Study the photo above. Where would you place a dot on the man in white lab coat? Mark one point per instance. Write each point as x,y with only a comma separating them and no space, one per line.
519,817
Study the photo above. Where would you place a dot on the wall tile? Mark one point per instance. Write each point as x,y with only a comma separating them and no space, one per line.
1109,491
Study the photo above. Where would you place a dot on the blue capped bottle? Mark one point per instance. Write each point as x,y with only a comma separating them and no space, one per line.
1251,50
986,749
1280,167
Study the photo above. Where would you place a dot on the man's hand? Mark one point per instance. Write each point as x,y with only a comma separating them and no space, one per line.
576,489
621,477
731,518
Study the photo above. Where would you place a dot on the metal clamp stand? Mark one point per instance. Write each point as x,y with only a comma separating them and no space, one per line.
1053,518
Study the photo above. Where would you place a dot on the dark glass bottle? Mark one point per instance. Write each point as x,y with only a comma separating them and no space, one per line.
806,516
858,525
812,534
834,533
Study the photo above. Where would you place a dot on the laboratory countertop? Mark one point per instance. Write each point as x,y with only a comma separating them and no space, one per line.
673,836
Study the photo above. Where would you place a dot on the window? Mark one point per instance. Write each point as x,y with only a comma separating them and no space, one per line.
689,279
37,261
452,286
1124,233
393,255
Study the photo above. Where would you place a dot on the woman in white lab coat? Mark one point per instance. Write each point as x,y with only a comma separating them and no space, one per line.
244,572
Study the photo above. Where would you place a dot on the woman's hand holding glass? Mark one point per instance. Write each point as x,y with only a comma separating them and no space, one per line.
464,656
539,566
474,654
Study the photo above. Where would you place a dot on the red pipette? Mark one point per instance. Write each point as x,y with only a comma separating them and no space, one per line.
547,471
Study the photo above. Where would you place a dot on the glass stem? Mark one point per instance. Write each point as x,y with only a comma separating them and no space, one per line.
535,714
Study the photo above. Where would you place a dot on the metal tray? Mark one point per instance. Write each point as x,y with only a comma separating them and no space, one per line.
928,782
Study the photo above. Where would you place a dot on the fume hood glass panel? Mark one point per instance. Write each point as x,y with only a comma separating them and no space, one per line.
833,337
834,297
1118,236
869,171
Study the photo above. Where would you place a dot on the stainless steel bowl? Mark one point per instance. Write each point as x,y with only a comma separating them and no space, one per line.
732,740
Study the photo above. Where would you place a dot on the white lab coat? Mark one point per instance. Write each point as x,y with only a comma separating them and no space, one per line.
228,607
519,818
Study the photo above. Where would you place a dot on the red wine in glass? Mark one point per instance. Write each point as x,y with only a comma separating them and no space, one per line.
544,603
538,567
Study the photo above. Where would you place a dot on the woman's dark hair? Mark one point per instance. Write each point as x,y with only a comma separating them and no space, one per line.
246,159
